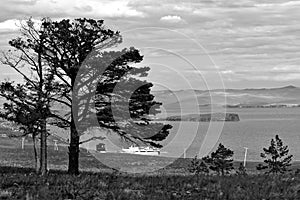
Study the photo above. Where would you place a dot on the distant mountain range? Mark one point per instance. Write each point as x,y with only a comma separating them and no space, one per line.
188,100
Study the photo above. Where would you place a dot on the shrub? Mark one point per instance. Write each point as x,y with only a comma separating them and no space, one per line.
241,170
198,167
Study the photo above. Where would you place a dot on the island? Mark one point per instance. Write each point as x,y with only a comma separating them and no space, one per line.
272,105
232,117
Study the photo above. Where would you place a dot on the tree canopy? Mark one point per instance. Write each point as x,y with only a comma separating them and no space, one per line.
276,157
97,86
220,160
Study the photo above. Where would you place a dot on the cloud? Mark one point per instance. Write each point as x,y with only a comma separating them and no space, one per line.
274,5
84,8
9,25
258,41
227,72
261,75
171,19
13,26
271,77
286,69
17,9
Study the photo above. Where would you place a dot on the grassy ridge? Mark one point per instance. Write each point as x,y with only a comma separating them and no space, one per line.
97,181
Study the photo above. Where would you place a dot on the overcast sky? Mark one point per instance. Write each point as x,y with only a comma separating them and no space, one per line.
189,44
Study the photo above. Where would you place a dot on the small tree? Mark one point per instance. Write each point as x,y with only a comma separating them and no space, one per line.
220,161
33,97
198,167
241,170
23,115
276,157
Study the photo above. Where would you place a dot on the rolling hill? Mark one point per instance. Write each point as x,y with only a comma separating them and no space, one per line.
188,101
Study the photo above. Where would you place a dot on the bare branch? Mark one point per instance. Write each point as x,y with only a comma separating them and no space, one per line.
15,67
93,138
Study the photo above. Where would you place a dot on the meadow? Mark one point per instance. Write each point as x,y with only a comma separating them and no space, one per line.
20,183
97,181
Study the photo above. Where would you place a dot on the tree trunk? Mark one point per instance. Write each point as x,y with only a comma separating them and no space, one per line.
43,155
74,150
74,137
36,160
43,115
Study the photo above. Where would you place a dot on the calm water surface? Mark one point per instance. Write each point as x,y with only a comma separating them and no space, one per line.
254,131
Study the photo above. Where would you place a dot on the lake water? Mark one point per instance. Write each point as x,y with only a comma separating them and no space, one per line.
254,131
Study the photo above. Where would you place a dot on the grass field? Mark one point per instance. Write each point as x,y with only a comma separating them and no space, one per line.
11,154
21,183
97,181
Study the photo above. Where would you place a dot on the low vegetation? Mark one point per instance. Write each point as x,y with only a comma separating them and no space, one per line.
276,160
18,179
21,184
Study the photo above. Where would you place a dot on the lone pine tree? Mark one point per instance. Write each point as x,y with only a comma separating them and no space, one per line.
276,157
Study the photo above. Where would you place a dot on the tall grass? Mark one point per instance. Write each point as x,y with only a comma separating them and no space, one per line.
18,183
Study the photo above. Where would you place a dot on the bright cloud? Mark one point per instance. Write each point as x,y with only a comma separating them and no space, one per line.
9,25
287,68
67,8
171,19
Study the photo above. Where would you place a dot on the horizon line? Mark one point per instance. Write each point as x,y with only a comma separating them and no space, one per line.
262,88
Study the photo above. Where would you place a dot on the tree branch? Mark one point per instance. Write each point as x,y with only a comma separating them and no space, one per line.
93,138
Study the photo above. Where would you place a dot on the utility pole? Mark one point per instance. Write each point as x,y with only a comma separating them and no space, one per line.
184,153
23,141
245,157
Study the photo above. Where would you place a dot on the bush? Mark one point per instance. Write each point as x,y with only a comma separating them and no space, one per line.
241,170
198,167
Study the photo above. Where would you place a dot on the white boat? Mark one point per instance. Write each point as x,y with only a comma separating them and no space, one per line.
149,151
